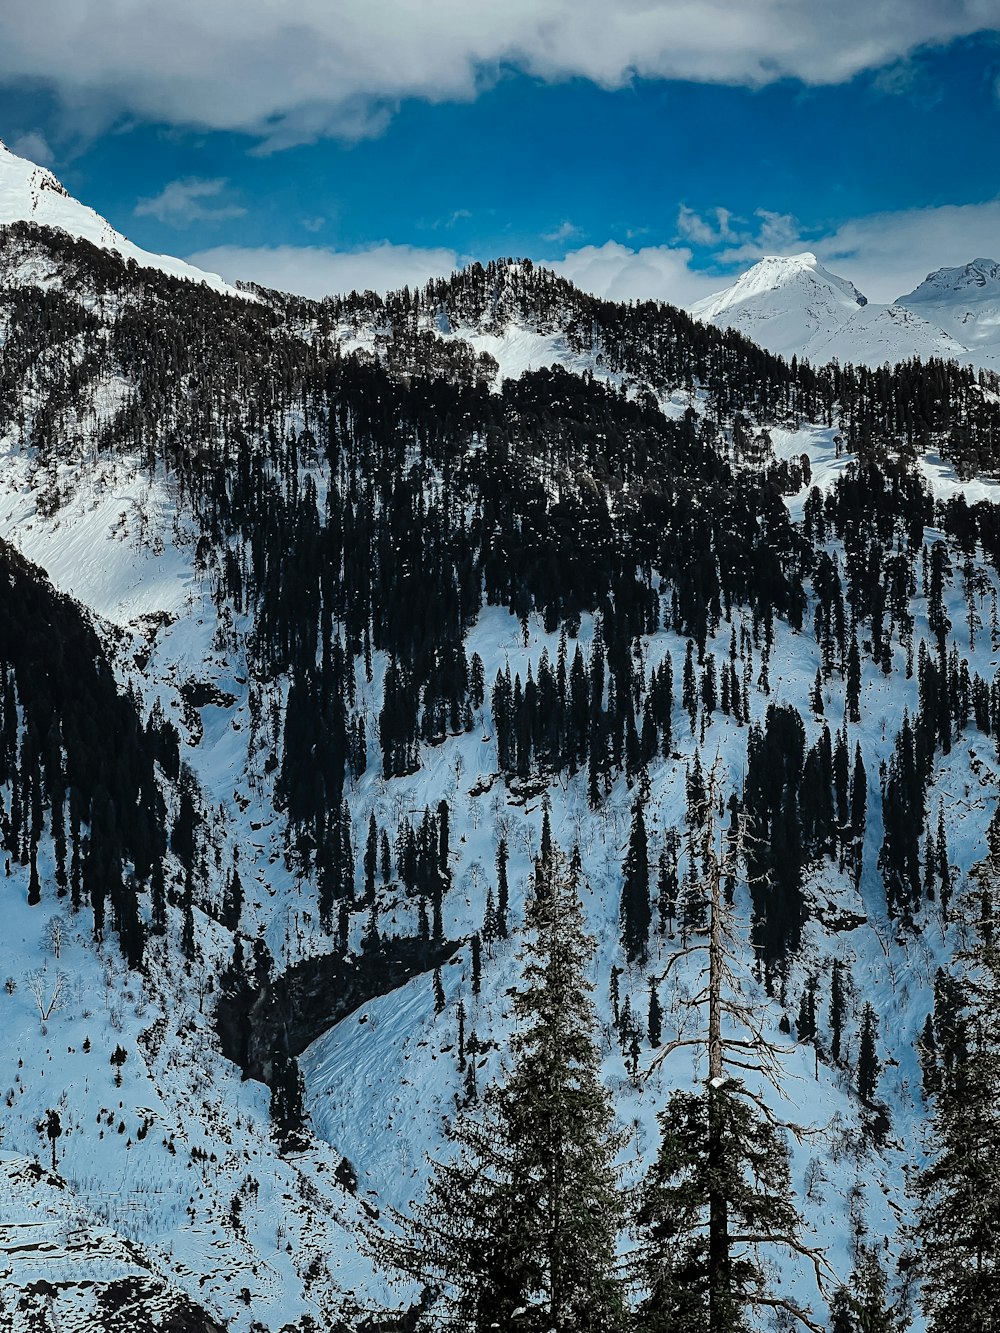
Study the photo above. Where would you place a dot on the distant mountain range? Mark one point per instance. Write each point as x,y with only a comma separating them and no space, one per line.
323,624
794,306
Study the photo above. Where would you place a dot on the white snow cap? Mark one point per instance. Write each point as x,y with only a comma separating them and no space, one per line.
776,274
29,193
793,305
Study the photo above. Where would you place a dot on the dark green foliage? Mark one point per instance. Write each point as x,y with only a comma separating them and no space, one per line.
55,671
838,1004
524,1216
956,1236
654,1019
288,1116
869,1065
718,1156
863,1305
635,911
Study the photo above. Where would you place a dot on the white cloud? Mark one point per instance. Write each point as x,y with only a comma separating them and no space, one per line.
654,273
885,255
181,202
709,229
292,74
566,231
34,146
611,270
316,272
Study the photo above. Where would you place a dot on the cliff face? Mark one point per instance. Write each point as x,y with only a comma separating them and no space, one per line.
298,1006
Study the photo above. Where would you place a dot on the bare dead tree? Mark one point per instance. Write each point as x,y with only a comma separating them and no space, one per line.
48,998
731,1140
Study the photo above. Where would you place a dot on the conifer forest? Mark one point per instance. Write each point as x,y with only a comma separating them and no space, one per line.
487,851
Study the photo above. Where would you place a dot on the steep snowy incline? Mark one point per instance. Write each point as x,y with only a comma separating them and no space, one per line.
965,302
29,193
783,303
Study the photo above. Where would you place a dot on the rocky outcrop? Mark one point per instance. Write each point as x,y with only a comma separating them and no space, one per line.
295,1008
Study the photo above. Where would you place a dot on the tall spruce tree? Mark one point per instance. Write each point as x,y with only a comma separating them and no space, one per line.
957,1229
718,1197
635,910
518,1229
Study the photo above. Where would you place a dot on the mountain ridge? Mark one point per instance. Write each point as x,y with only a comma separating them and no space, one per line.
795,306
378,615
30,193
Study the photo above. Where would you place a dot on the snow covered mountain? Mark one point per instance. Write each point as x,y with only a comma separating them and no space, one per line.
782,303
29,193
794,306
965,302
339,604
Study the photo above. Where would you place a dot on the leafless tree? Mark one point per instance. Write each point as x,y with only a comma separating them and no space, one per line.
728,1029
49,997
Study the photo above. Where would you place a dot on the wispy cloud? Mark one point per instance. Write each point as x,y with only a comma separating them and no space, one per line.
182,202
652,273
733,238
884,254
315,271
342,69
566,231
34,146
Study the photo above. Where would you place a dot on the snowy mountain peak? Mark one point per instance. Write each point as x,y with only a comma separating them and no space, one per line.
792,305
30,193
965,302
978,275
783,302
771,282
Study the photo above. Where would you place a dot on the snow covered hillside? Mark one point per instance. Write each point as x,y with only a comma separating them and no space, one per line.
29,193
342,600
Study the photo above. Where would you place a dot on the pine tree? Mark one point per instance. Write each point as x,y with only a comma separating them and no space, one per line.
288,1117
654,1020
861,1306
503,892
837,1007
524,1218
635,910
869,1066
957,1230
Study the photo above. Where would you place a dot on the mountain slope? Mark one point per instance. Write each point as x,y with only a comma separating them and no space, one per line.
29,193
382,611
783,303
965,302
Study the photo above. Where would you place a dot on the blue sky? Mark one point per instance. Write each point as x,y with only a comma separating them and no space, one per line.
654,152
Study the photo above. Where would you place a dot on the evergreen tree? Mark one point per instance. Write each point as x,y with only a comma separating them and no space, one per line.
654,1020
869,1066
503,892
837,1007
635,910
861,1306
518,1230
957,1230
288,1116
